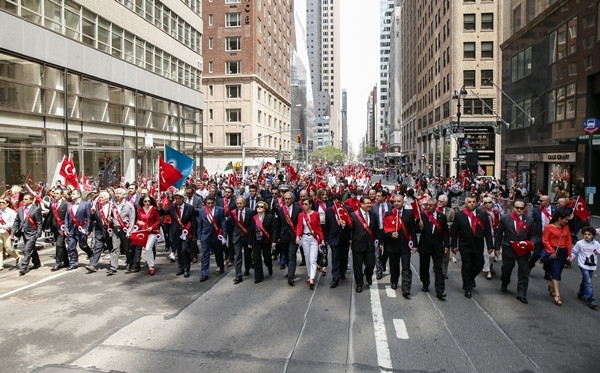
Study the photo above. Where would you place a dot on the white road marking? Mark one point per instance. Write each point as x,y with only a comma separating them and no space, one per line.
34,284
390,293
400,327
384,359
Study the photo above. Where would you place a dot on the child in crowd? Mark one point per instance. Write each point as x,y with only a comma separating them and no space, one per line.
586,250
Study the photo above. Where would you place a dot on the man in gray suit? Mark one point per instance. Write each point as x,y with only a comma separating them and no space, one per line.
28,225
442,208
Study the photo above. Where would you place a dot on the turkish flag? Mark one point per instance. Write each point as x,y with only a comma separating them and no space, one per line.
205,175
86,183
293,174
139,238
416,207
233,180
168,175
67,170
581,209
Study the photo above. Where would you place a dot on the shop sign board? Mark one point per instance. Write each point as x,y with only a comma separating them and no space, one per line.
567,157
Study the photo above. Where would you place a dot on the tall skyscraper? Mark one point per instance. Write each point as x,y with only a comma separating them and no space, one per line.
323,42
386,8
110,82
247,82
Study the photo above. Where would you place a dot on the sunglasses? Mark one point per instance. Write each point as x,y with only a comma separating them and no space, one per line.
306,204
260,207
519,208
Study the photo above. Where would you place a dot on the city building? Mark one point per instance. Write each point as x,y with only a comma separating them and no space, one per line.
552,76
393,106
110,82
386,8
247,52
450,49
323,43
345,147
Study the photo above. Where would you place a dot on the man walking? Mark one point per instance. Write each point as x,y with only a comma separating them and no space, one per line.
28,225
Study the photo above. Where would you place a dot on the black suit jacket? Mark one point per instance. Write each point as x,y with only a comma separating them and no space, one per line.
432,241
231,203
62,212
282,230
507,233
268,224
248,204
248,223
361,240
334,234
463,235
22,227
394,245
189,215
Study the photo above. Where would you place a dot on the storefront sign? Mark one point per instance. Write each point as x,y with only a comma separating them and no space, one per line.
523,157
560,157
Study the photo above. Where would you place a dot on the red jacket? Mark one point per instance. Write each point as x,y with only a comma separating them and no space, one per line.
152,219
315,225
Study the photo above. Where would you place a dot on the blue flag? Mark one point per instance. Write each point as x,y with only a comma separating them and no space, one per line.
181,162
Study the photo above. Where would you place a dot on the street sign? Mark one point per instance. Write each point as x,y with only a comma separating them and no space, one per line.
595,141
591,125
590,190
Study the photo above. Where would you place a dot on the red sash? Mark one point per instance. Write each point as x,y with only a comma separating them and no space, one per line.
178,218
286,213
226,206
364,224
433,220
545,212
394,223
75,221
520,223
103,217
2,221
306,219
212,221
322,205
239,223
260,226
30,219
117,214
56,216
474,221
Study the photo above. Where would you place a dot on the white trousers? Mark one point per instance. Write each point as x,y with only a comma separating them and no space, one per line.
311,250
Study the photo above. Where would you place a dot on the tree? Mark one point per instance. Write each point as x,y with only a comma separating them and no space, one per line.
329,154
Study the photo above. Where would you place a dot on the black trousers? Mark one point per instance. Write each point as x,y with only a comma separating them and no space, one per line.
339,259
61,248
395,258
472,264
261,249
424,261
360,258
508,263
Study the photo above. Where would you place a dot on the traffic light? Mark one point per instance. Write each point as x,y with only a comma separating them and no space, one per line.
299,138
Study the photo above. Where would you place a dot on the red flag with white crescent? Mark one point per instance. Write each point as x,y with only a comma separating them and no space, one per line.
67,170
168,175
580,209
86,183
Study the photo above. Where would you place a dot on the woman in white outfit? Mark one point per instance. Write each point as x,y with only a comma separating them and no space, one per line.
310,235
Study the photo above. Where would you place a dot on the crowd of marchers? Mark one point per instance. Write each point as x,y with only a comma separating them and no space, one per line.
336,218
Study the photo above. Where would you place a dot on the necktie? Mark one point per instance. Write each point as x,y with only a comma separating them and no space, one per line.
240,217
252,203
366,218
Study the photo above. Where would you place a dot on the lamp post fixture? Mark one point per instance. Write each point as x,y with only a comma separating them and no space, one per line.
457,96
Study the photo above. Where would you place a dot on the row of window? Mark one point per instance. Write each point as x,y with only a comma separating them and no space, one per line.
469,52
78,23
487,21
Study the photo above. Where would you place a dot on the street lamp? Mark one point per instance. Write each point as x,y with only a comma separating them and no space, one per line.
457,96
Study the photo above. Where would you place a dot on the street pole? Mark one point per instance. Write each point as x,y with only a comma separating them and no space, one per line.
457,96
243,151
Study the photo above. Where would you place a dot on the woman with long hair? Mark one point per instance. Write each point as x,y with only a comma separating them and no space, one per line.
557,242
321,204
261,241
310,235
148,220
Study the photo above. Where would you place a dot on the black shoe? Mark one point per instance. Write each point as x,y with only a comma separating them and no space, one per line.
36,266
359,289
56,267
23,272
111,272
203,278
270,270
282,266
72,267
302,264
522,299
91,268
237,280
504,289
333,284
221,270
468,293
445,276
369,281
136,269
441,296
394,286
379,276
186,274
258,281
179,272
406,294
425,289
474,284
547,277
291,281
342,277
247,273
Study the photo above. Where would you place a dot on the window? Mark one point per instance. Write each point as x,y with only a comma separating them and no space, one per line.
210,67
530,10
211,138
233,1
233,115
517,19
210,114
487,77
469,50
487,21
234,139
233,43
234,91
210,20
233,67
210,43
233,20
469,22
469,78
487,49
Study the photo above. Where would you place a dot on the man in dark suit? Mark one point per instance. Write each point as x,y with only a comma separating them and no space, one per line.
77,220
401,242
123,220
58,211
28,225
469,231
284,232
364,227
252,197
212,233
337,236
380,209
541,217
101,224
433,244
515,227
184,229
242,233
191,198
228,204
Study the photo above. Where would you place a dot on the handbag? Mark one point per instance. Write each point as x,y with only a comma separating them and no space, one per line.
545,256
322,256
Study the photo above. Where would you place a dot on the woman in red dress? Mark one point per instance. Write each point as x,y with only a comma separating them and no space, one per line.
310,235
148,220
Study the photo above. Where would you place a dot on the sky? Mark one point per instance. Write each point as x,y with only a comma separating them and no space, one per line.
360,61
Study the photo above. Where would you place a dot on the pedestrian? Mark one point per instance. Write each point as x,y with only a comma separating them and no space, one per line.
77,221
284,233
7,218
261,242
148,221
489,254
212,234
433,244
380,209
310,235
558,244
183,231
364,226
28,225
122,218
242,231
443,208
514,237
469,231
58,210
101,224
586,251
541,218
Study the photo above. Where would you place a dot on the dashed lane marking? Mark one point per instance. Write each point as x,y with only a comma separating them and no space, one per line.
400,327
